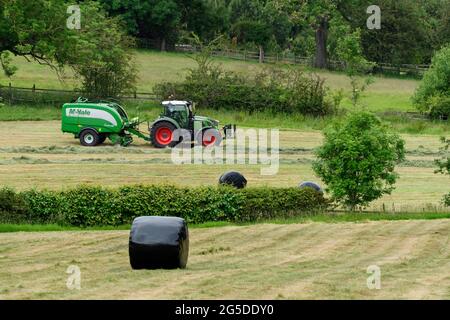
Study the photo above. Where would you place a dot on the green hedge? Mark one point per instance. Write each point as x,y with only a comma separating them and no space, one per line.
287,91
96,206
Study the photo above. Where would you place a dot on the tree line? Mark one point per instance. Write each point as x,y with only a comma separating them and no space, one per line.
411,30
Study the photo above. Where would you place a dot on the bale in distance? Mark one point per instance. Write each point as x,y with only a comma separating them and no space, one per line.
234,179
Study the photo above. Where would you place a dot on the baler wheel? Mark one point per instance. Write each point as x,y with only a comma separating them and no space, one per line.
89,138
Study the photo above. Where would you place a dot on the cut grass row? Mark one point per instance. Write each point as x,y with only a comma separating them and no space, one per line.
336,217
150,111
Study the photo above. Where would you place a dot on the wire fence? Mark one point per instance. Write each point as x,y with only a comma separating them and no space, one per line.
21,95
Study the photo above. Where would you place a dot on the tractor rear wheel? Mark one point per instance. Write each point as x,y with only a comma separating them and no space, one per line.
162,135
89,138
210,137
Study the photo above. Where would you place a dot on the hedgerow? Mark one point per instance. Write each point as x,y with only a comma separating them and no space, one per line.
273,90
97,206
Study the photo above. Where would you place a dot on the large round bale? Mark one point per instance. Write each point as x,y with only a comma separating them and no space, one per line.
159,243
233,178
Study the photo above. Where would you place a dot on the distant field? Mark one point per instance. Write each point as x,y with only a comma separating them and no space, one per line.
386,94
37,154
267,261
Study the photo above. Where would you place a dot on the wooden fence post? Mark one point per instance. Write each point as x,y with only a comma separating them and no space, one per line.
10,94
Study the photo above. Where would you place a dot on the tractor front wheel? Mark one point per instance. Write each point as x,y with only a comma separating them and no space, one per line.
89,138
162,135
210,137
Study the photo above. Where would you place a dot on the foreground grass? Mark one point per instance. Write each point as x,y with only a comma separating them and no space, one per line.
323,217
264,261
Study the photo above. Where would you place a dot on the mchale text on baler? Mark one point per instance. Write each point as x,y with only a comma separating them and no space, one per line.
94,121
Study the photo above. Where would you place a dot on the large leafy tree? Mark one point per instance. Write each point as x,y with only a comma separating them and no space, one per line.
357,160
164,20
433,94
98,52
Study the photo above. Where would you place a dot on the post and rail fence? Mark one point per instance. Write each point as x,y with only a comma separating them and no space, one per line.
21,95
291,58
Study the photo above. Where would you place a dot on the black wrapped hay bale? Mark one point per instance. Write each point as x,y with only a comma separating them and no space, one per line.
159,243
234,179
313,185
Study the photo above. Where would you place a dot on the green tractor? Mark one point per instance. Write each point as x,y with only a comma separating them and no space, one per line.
94,121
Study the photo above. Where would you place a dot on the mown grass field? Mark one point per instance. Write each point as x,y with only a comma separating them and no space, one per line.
37,155
386,94
267,261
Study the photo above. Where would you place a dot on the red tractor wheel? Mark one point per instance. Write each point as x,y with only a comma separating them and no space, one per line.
210,137
162,135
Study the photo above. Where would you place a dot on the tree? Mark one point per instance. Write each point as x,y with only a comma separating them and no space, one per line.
443,165
98,52
253,31
35,30
103,58
433,94
356,65
357,160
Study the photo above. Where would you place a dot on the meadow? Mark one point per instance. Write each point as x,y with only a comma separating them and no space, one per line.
264,261
322,256
386,94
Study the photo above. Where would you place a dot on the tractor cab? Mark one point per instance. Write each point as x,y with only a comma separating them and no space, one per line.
181,111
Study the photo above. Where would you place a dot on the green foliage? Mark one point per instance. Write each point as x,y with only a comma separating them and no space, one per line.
105,63
443,165
433,94
357,160
265,203
349,50
272,89
446,200
98,52
6,64
13,208
95,206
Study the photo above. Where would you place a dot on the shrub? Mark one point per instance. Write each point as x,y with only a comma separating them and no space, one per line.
45,206
446,200
276,90
357,160
13,208
94,206
267,203
439,106
90,206
433,94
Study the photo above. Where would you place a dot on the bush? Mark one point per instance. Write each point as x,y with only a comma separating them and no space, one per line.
95,206
446,200
275,90
439,106
44,206
357,160
433,94
265,203
13,208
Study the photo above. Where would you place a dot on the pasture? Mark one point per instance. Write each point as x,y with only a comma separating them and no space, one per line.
386,94
267,261
35,154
